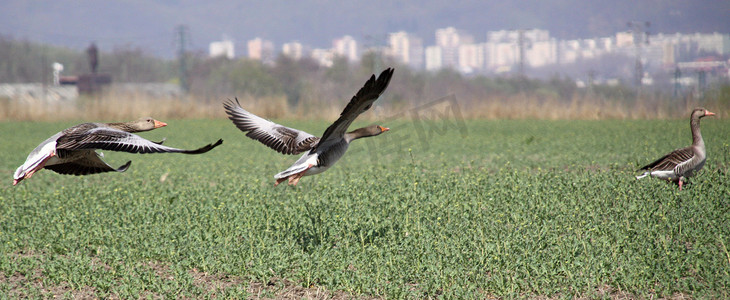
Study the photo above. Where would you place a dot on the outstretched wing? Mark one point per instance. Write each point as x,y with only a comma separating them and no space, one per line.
116,140
361,102
670,161
280,138
87,162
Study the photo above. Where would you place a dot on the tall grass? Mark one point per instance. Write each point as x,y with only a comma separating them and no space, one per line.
123,106
132,106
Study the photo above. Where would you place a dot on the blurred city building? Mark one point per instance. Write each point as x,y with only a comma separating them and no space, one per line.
346,47
406,49
224,48
260,49
293,50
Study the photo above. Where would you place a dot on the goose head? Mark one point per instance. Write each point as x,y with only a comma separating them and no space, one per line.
367,131
701,112
143,124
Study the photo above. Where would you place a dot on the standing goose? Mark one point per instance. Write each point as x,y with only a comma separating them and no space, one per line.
320,153
684,162
72,151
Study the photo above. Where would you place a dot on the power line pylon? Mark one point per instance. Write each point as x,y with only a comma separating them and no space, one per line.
182,37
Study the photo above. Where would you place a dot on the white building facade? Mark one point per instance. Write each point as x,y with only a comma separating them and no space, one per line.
407,49
346,47
224,48
260,49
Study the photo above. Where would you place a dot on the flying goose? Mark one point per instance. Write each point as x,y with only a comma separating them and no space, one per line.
72,151
682,163
319,153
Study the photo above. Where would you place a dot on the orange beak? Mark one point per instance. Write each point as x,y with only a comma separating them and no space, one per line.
383,129
709,113
159,124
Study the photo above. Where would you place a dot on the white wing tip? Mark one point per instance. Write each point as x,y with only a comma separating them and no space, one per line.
19,173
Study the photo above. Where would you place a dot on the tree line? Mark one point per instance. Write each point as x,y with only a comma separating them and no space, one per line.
303,81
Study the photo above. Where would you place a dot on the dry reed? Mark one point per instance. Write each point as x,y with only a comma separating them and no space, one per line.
125,106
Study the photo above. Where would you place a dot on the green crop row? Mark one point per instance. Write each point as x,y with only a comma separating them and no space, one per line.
429,209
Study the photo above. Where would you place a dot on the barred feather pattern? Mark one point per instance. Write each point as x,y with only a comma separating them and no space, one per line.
83,162
282,139
116,140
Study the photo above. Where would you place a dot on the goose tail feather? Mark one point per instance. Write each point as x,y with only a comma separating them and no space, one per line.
643,175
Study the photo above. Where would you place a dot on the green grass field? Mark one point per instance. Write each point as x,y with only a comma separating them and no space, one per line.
480,209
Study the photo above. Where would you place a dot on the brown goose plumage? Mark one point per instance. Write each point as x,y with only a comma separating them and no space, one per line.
319,153
682,163
72,151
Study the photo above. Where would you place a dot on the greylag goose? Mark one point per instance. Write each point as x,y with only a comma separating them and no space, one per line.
319,153
682,163
72,151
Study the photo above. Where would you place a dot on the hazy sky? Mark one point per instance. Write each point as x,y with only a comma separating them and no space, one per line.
150,25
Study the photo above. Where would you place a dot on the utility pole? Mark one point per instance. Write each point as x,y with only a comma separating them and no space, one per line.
640,33
701,83
677,75
44,61
182,37
521,45
591,80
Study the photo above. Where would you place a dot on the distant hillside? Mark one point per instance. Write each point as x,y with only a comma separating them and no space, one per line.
150,25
